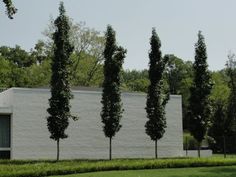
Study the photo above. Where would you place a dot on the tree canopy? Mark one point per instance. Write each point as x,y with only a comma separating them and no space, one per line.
59,103
111,96
156,99
10,8
199,103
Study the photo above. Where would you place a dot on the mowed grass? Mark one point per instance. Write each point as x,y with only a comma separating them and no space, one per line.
179,172
50,168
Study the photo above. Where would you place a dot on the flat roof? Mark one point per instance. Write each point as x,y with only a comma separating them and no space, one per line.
83,90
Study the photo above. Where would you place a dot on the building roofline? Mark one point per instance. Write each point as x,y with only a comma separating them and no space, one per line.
82,90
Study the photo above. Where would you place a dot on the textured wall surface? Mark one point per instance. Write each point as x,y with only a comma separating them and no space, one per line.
194,153
30,137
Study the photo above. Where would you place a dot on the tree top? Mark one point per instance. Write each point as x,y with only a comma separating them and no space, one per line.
62,9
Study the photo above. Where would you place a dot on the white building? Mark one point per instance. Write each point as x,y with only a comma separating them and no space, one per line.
24,134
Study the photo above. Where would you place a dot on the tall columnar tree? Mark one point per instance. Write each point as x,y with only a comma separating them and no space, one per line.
199,103
111,97
10,8
59,109
156,99
231,72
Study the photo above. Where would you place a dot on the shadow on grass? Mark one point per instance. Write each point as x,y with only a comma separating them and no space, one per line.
215,172
229,171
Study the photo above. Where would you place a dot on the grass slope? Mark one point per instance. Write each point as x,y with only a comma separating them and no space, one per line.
180,172
49,168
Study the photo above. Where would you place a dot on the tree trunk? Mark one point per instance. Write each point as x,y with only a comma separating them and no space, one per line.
76,64
91,73
186,146
58,149
156,156
110,148
224,146
199,149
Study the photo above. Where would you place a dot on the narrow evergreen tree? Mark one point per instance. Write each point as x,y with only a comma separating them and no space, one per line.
199,103
156,99
59,109
111,97
231,107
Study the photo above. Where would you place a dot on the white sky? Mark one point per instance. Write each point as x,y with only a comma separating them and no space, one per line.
177,23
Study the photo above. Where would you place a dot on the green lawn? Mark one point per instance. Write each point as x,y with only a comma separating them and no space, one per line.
180,172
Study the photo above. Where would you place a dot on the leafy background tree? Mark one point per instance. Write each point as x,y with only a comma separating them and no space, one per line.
135,80
221,127
231,72
231,106
18,56
179,77
88,51
59,110
220,90
156,99
199,103
111,97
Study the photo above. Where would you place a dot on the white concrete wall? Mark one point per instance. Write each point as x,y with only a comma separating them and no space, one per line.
30,137
6,98
194,153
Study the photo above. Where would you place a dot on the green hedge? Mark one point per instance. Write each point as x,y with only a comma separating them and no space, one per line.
190,143
48,168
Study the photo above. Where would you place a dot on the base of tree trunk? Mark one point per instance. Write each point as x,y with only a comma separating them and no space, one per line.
110,148
199,149
224,146
156,155
58,149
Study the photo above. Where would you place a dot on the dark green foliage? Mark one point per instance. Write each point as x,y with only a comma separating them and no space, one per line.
199,104
156,99
112,107
17,56
175,74
88,53
218,127
40,52
22,68
138,85
32,69
220,91
59,109
189,142
134,80
10,9
222,127
231,72
179,76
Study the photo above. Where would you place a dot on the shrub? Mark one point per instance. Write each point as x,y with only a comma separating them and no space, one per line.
190,143
49,168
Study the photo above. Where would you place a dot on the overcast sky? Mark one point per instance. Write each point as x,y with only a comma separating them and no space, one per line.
177,24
